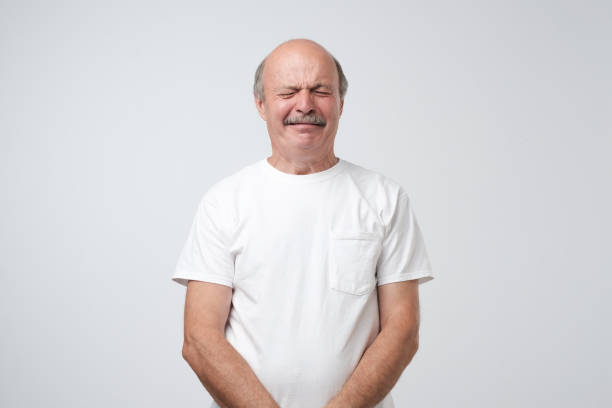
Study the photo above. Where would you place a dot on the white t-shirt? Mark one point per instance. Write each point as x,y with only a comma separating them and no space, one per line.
303,254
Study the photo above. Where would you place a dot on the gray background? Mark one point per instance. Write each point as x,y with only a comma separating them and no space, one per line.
495,116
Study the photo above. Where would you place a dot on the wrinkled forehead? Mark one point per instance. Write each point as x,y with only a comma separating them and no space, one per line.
298,69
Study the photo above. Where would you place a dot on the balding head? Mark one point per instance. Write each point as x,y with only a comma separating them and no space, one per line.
292,48
299,94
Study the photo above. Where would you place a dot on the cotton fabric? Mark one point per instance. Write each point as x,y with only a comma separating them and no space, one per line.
303,254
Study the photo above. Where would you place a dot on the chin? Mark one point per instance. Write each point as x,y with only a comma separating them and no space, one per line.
304,139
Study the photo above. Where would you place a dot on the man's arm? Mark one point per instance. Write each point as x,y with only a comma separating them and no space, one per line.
386,358
222,370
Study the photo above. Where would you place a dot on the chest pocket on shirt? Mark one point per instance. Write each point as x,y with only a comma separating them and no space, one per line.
353,261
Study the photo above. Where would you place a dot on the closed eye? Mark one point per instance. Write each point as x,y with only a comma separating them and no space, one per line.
320,93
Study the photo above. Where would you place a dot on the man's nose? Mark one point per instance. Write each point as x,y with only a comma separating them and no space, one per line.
304,102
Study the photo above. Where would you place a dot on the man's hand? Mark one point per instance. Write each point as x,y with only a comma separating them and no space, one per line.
222,370
386,358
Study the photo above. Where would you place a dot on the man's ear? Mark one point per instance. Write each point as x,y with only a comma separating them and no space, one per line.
259,104
341,106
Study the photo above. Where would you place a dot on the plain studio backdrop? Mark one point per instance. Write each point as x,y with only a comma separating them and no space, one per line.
115,117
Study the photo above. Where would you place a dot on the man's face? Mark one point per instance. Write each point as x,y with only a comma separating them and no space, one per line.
302,103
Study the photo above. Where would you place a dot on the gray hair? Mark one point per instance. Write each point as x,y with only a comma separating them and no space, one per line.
258,90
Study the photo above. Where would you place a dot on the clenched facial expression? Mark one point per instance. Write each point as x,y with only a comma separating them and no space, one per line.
302,104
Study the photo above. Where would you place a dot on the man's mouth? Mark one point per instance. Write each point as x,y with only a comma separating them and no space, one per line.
305,123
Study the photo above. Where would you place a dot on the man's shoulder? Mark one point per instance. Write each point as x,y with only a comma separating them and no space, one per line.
384,194
226,188
373,182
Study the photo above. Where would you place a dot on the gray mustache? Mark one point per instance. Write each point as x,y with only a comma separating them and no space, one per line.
312,119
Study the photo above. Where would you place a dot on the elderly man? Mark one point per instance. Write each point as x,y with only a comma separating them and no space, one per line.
283,257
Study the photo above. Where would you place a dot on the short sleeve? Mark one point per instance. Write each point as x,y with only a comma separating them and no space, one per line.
205,255
403,255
